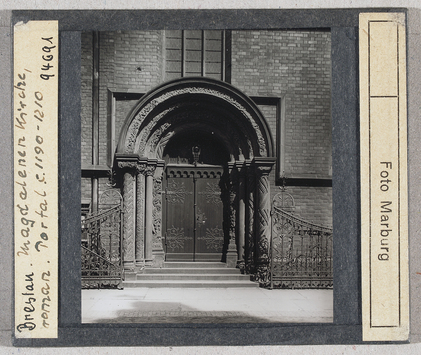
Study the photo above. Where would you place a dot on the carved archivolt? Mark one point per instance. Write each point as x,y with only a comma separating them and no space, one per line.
142,140
135,125
156,134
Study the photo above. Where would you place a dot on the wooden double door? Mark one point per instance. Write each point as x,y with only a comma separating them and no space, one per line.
193,214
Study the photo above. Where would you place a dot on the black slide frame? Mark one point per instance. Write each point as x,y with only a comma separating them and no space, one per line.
346,327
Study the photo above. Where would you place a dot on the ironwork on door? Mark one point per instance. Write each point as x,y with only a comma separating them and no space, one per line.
194,215
102,251
301,252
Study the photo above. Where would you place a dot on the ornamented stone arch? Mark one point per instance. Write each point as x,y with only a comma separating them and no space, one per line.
208,105
157,108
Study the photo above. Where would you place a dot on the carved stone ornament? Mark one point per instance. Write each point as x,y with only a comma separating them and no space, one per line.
157,207
141,167
140,214
250,267
262,274
127,164
263,218
149,170
142,139
156,136
193,90
129,205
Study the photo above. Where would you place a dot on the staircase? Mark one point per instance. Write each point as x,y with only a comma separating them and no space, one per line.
191,274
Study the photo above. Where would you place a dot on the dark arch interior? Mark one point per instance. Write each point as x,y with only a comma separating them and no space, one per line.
211,149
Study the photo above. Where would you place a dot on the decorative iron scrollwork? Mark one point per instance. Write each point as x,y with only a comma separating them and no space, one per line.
101,249
214,238
301,253
212,193
176,192
175,238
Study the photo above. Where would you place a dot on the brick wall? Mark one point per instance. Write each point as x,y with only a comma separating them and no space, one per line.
138,49
122,110
86,92
313,204
293,64
86,189
106,80
86,110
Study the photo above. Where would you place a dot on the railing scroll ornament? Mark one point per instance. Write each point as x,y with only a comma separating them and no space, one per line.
301,251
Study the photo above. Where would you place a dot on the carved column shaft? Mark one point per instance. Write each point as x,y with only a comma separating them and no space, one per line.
148,215
241,218
129,220
232,255
250,229
157,212
157,247
140,212
264,220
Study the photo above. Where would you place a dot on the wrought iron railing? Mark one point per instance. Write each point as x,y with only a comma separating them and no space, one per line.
301,252
102,250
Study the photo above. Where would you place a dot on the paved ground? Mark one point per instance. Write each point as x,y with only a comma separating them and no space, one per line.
205,305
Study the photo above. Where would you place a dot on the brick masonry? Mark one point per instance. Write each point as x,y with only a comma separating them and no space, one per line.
86,92
296,65
292,64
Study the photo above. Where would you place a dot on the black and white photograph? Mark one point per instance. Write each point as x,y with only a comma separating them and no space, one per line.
206,177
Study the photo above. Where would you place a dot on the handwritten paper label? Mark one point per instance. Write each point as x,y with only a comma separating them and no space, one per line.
384,206
35,81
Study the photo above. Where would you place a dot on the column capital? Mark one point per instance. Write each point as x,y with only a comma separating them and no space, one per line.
149,170
264,165
127,161
151,165
139,165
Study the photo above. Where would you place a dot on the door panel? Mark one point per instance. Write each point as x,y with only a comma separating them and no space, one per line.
194,216
180,209
209,217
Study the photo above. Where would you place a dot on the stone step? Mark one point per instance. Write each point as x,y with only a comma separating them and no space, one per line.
190,284
184,270
194,264
197,277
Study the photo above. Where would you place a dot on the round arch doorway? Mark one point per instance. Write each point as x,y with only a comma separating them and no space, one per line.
195,199
231,140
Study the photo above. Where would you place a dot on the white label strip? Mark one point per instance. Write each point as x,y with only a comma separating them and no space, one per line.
384,206
35,80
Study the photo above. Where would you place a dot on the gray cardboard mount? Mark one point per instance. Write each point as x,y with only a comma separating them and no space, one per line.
343,24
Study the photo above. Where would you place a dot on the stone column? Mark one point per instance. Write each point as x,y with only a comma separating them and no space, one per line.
140,214
149,171
241,215
250,220
263,168
129,198
157,248
232,255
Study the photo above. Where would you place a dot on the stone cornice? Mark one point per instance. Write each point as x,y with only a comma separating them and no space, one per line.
264,165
